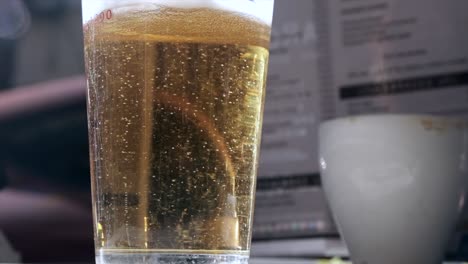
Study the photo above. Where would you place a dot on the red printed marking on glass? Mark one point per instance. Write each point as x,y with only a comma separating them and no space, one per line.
101,17
109,14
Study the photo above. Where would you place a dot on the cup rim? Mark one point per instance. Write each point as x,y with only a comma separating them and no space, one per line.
401,116
455,121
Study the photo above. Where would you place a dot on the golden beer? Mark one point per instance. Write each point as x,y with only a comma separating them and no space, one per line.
175,109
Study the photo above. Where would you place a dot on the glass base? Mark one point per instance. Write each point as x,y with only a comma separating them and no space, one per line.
158,258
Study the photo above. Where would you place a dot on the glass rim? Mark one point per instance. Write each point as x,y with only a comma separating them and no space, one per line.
259,9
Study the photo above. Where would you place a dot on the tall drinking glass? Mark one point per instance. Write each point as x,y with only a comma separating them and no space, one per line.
175,104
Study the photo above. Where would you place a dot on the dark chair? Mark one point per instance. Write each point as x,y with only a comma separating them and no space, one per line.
45,207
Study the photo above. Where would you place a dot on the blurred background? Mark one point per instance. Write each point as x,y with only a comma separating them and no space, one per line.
45,207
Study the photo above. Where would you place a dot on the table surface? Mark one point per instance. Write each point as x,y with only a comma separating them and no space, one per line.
285,261
270,261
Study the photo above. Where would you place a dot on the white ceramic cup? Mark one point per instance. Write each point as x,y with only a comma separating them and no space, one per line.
395,184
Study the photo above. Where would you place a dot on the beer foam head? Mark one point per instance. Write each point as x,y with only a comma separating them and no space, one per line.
260,9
